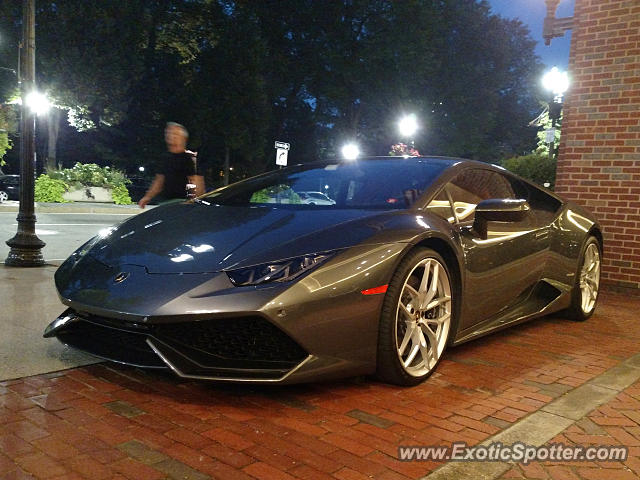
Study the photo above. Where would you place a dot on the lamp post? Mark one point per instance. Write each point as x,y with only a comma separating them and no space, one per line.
557,83
554,27
26,247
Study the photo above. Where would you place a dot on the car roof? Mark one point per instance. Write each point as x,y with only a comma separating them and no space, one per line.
462,163
433,158
444,161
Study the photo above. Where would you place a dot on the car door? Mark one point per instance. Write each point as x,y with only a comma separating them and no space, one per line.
501,269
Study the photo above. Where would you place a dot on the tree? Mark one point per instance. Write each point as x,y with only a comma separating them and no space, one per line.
233,114
240,74
8,124
546,124
115,67
10,15
538,168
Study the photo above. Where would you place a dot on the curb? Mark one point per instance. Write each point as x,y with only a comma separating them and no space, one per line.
76,207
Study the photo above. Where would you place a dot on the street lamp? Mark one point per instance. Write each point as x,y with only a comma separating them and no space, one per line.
557,83
26,247
350,151
408,125
37,102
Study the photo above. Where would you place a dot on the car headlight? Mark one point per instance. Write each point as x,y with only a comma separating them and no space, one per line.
280,271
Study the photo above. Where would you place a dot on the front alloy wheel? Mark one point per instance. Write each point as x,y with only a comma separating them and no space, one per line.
585,293
3,196
417,319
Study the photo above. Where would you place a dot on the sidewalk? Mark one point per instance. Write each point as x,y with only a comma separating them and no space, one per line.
74,207
547,381
29,302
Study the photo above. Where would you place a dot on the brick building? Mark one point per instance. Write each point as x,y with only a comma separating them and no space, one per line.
599,159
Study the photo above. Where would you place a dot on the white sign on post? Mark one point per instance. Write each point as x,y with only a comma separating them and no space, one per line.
281,156
282,152
550,135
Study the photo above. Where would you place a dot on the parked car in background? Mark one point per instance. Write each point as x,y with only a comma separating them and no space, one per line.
9,187
315,198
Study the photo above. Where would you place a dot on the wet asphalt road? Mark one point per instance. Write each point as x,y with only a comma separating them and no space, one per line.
62,232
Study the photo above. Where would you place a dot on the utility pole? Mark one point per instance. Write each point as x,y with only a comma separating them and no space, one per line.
26,247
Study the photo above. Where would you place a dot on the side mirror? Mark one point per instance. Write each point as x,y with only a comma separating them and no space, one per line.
498,210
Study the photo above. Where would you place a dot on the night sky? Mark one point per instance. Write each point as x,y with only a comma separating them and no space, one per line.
532,13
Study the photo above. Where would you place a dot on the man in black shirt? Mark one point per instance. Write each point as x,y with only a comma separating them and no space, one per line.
177,170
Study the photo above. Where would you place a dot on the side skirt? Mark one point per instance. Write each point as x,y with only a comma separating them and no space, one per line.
545,298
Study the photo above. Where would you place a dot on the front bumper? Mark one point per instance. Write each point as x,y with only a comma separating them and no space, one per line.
235,349
200,326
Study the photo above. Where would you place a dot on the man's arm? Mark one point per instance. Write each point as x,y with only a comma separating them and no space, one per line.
155,188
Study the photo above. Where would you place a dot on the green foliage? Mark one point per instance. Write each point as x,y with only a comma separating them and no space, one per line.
539,169
7,126
261,196
5,144
120,195
56,182
90,175
49,189
276,194
545,123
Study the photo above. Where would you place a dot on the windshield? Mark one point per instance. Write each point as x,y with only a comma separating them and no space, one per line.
380,184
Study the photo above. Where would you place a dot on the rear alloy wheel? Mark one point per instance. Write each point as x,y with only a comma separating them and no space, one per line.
416,319
3,196
585,293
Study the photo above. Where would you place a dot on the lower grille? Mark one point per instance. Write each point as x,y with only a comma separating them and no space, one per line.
111,343
242,341
242,347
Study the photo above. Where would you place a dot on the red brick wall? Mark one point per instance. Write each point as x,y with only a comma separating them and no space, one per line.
599,159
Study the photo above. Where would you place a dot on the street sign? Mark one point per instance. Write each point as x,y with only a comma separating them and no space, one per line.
281,157
550,135
282,152
283,145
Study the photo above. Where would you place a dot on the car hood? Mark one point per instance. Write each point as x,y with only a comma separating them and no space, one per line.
198,238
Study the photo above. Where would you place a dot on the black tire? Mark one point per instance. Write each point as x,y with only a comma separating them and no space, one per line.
578,311
390,367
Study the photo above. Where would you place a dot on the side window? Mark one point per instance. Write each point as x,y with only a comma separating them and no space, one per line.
441,207
542,204
472,186
275,194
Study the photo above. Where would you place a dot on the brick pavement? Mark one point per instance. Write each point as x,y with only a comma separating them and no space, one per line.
616,423
106,421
